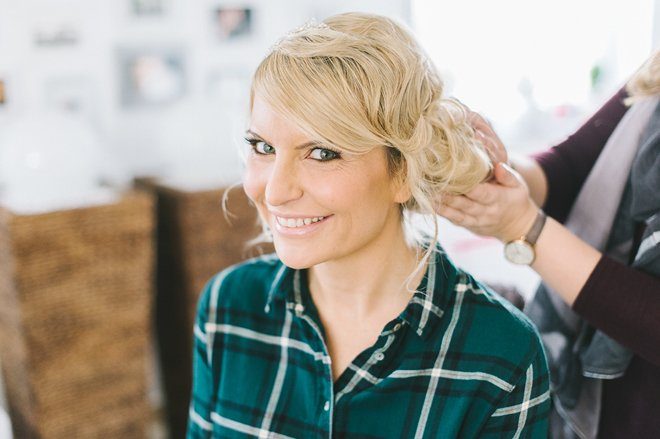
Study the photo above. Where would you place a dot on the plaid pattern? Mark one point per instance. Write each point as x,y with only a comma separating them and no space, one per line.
458,362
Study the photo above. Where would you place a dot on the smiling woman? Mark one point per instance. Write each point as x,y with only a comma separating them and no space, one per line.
321,205
354,327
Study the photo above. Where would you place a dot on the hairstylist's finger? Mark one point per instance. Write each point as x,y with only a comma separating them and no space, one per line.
478,121
489,139
480,124
448,212
464,204
483,193
456,216
506,176
491,147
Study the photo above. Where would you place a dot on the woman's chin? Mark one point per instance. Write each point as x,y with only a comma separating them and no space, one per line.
292,260
296,257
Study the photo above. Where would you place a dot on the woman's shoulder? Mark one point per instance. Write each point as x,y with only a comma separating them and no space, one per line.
243,285
486,323
480,303
502,328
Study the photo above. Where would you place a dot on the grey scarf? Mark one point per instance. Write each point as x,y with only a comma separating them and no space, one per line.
622,188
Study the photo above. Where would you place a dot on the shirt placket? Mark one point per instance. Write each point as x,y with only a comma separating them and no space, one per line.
372,361
371,364
326,387
326,384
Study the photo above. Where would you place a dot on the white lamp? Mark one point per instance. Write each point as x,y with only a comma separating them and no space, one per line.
50,161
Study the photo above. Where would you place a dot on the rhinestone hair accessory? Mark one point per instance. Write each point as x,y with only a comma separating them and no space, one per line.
310,24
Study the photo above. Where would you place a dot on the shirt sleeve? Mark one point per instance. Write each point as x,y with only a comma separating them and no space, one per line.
201,402
567,165
624,303
524,412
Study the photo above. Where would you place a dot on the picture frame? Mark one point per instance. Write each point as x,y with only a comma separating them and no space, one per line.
151,76
232,23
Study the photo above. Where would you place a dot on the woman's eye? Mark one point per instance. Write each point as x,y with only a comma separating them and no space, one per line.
260,147
323,154
264,148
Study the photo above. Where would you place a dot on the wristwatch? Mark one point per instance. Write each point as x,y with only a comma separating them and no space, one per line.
521,251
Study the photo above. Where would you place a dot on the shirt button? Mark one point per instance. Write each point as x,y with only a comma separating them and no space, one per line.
379,356
326,406
397,326
299,308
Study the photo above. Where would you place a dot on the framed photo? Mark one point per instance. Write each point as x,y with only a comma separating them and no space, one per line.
232,23
151,77
142,8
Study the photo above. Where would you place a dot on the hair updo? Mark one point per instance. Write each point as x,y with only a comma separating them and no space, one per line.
359,81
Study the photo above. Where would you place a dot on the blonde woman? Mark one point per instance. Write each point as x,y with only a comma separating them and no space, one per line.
355,328
598,255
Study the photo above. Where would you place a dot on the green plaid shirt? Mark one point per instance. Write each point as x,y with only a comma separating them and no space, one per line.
459,361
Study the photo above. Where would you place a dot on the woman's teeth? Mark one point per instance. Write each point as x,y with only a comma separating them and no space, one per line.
297,222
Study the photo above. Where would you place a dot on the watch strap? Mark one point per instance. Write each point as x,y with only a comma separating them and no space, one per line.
533,235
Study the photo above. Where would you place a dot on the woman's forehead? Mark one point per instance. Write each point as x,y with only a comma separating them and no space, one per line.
273,124
270,125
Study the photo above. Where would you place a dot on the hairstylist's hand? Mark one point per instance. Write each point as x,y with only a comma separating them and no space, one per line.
501,207
485,133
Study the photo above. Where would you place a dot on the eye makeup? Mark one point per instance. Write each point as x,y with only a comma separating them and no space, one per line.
316,152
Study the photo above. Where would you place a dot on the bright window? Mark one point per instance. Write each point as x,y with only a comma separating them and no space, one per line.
534,68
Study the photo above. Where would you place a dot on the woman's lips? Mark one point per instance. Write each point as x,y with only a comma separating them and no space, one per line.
298,226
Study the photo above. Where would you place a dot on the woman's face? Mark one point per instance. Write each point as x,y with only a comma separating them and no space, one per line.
320,203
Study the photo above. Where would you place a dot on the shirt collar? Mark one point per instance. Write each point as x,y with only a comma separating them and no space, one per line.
288,286
423,313
281,287
426,308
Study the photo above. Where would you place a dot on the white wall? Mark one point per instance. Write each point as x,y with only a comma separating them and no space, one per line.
196,134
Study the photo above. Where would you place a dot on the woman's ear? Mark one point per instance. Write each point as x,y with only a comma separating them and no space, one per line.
402,192
397,167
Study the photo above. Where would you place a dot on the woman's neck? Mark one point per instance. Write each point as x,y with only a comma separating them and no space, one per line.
371,280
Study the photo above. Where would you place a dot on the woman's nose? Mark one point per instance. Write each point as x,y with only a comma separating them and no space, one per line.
283,184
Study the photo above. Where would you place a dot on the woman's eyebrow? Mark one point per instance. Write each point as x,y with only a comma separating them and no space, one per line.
302,146
256,135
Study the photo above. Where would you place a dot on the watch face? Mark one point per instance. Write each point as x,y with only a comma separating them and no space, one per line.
519,252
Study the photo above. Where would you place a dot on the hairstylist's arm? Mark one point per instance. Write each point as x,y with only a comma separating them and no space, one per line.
504,209
620,300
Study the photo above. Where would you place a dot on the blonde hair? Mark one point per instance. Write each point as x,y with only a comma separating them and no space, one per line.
359,81
646,81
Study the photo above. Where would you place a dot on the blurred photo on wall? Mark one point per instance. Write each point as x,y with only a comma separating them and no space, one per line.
151,77
232,23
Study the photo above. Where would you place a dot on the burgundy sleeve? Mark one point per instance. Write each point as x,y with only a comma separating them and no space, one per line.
624,303
619,300
567,164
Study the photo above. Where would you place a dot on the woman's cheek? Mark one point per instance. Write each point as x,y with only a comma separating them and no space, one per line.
254,181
